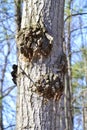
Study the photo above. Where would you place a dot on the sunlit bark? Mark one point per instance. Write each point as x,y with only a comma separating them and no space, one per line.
38,110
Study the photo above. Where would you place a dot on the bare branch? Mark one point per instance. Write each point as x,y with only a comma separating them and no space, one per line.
9,126
74,15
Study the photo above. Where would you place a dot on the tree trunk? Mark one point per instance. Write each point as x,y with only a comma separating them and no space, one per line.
85,110
68,77
41,66
1,119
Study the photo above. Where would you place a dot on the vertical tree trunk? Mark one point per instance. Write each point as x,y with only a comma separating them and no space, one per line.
68,86
85,99
84,91
1,119
41,66
85,110
68,82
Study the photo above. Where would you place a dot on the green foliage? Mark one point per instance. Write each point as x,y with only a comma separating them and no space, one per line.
4,9
4,0
81,10
0,101
84,52
67,11
78,70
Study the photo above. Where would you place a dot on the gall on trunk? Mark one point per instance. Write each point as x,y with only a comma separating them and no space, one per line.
34,43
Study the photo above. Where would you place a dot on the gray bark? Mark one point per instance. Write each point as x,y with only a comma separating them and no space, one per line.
38,110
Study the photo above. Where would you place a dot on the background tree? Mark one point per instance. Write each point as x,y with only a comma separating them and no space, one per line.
7,58
77,63
68,77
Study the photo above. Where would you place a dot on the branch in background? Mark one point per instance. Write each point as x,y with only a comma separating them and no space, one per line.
77,51
73,15
8,91
76,29
9,126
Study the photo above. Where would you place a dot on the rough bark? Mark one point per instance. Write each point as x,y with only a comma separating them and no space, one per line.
41,69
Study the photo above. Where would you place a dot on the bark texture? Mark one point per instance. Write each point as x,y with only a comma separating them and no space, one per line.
41,69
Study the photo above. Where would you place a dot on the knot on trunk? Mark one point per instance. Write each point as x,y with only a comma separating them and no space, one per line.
34,42
50,86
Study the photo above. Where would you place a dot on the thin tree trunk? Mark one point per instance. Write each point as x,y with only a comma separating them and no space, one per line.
1,119
85,110
68,82
38,107
85,99
84,92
